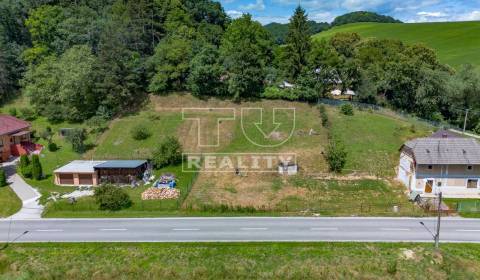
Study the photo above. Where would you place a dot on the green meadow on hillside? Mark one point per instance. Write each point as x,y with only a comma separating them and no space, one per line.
456,43
371,139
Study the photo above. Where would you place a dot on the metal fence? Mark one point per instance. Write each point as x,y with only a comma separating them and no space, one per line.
390,113
468,206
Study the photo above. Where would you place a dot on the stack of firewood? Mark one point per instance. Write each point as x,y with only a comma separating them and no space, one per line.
161,193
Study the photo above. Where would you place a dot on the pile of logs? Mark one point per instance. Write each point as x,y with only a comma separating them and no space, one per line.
160,193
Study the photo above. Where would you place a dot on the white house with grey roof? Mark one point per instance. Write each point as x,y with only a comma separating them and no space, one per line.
450,165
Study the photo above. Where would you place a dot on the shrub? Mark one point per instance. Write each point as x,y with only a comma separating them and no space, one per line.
3,178
347,109
140,132
47,134
12,111
324,115
168,153
27,171
97,124
52,147
76,137
277,93
24,166
27,114
477,129
37,172
336,156
54,113
109,197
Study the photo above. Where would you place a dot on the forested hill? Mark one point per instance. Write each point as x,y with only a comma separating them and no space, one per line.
117,50
455,43
279,31
91,60
362,16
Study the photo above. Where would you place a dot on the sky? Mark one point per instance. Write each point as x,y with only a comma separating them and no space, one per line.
267,11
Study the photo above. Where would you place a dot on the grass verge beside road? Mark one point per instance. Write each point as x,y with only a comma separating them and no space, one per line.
9,202
240,261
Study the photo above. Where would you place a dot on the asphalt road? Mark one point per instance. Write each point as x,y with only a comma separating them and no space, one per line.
238,229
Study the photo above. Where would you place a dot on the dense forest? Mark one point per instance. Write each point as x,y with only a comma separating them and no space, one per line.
279,31
85,59
362,16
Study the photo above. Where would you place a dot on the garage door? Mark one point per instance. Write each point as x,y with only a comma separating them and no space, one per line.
85,179
66,179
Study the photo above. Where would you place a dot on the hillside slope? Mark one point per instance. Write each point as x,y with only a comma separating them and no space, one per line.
456,43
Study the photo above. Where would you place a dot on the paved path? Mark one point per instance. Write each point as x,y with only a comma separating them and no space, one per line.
238,229
31,209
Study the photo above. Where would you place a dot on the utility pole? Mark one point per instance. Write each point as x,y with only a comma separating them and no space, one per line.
439,210
465,121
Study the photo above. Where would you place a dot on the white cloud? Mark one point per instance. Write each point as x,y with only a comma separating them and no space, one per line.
234,14
353,5
475,15
431,14
322,16
257,6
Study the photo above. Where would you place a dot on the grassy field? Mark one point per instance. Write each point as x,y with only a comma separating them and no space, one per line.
467,208
456,43
372,141
240,261
10,203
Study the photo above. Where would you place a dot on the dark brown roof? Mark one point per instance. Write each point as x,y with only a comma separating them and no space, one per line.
9,124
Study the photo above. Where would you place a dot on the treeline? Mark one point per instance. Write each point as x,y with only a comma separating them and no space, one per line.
363,16
279,31
85,58
96,59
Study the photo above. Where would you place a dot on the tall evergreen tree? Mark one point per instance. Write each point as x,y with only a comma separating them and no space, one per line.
298,43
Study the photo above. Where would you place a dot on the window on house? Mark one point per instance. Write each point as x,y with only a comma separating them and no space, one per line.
470,167
472,183
430,167
439,184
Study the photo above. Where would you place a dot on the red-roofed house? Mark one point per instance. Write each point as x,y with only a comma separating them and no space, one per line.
14,137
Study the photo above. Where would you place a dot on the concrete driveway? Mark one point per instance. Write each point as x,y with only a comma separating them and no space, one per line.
31,209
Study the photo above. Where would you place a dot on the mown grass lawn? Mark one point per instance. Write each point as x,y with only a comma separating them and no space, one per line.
345,198
467,208
9,202
118,143
240,261
373,140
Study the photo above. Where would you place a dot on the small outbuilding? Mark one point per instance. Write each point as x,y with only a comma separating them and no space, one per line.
287,168
93,173
121,171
